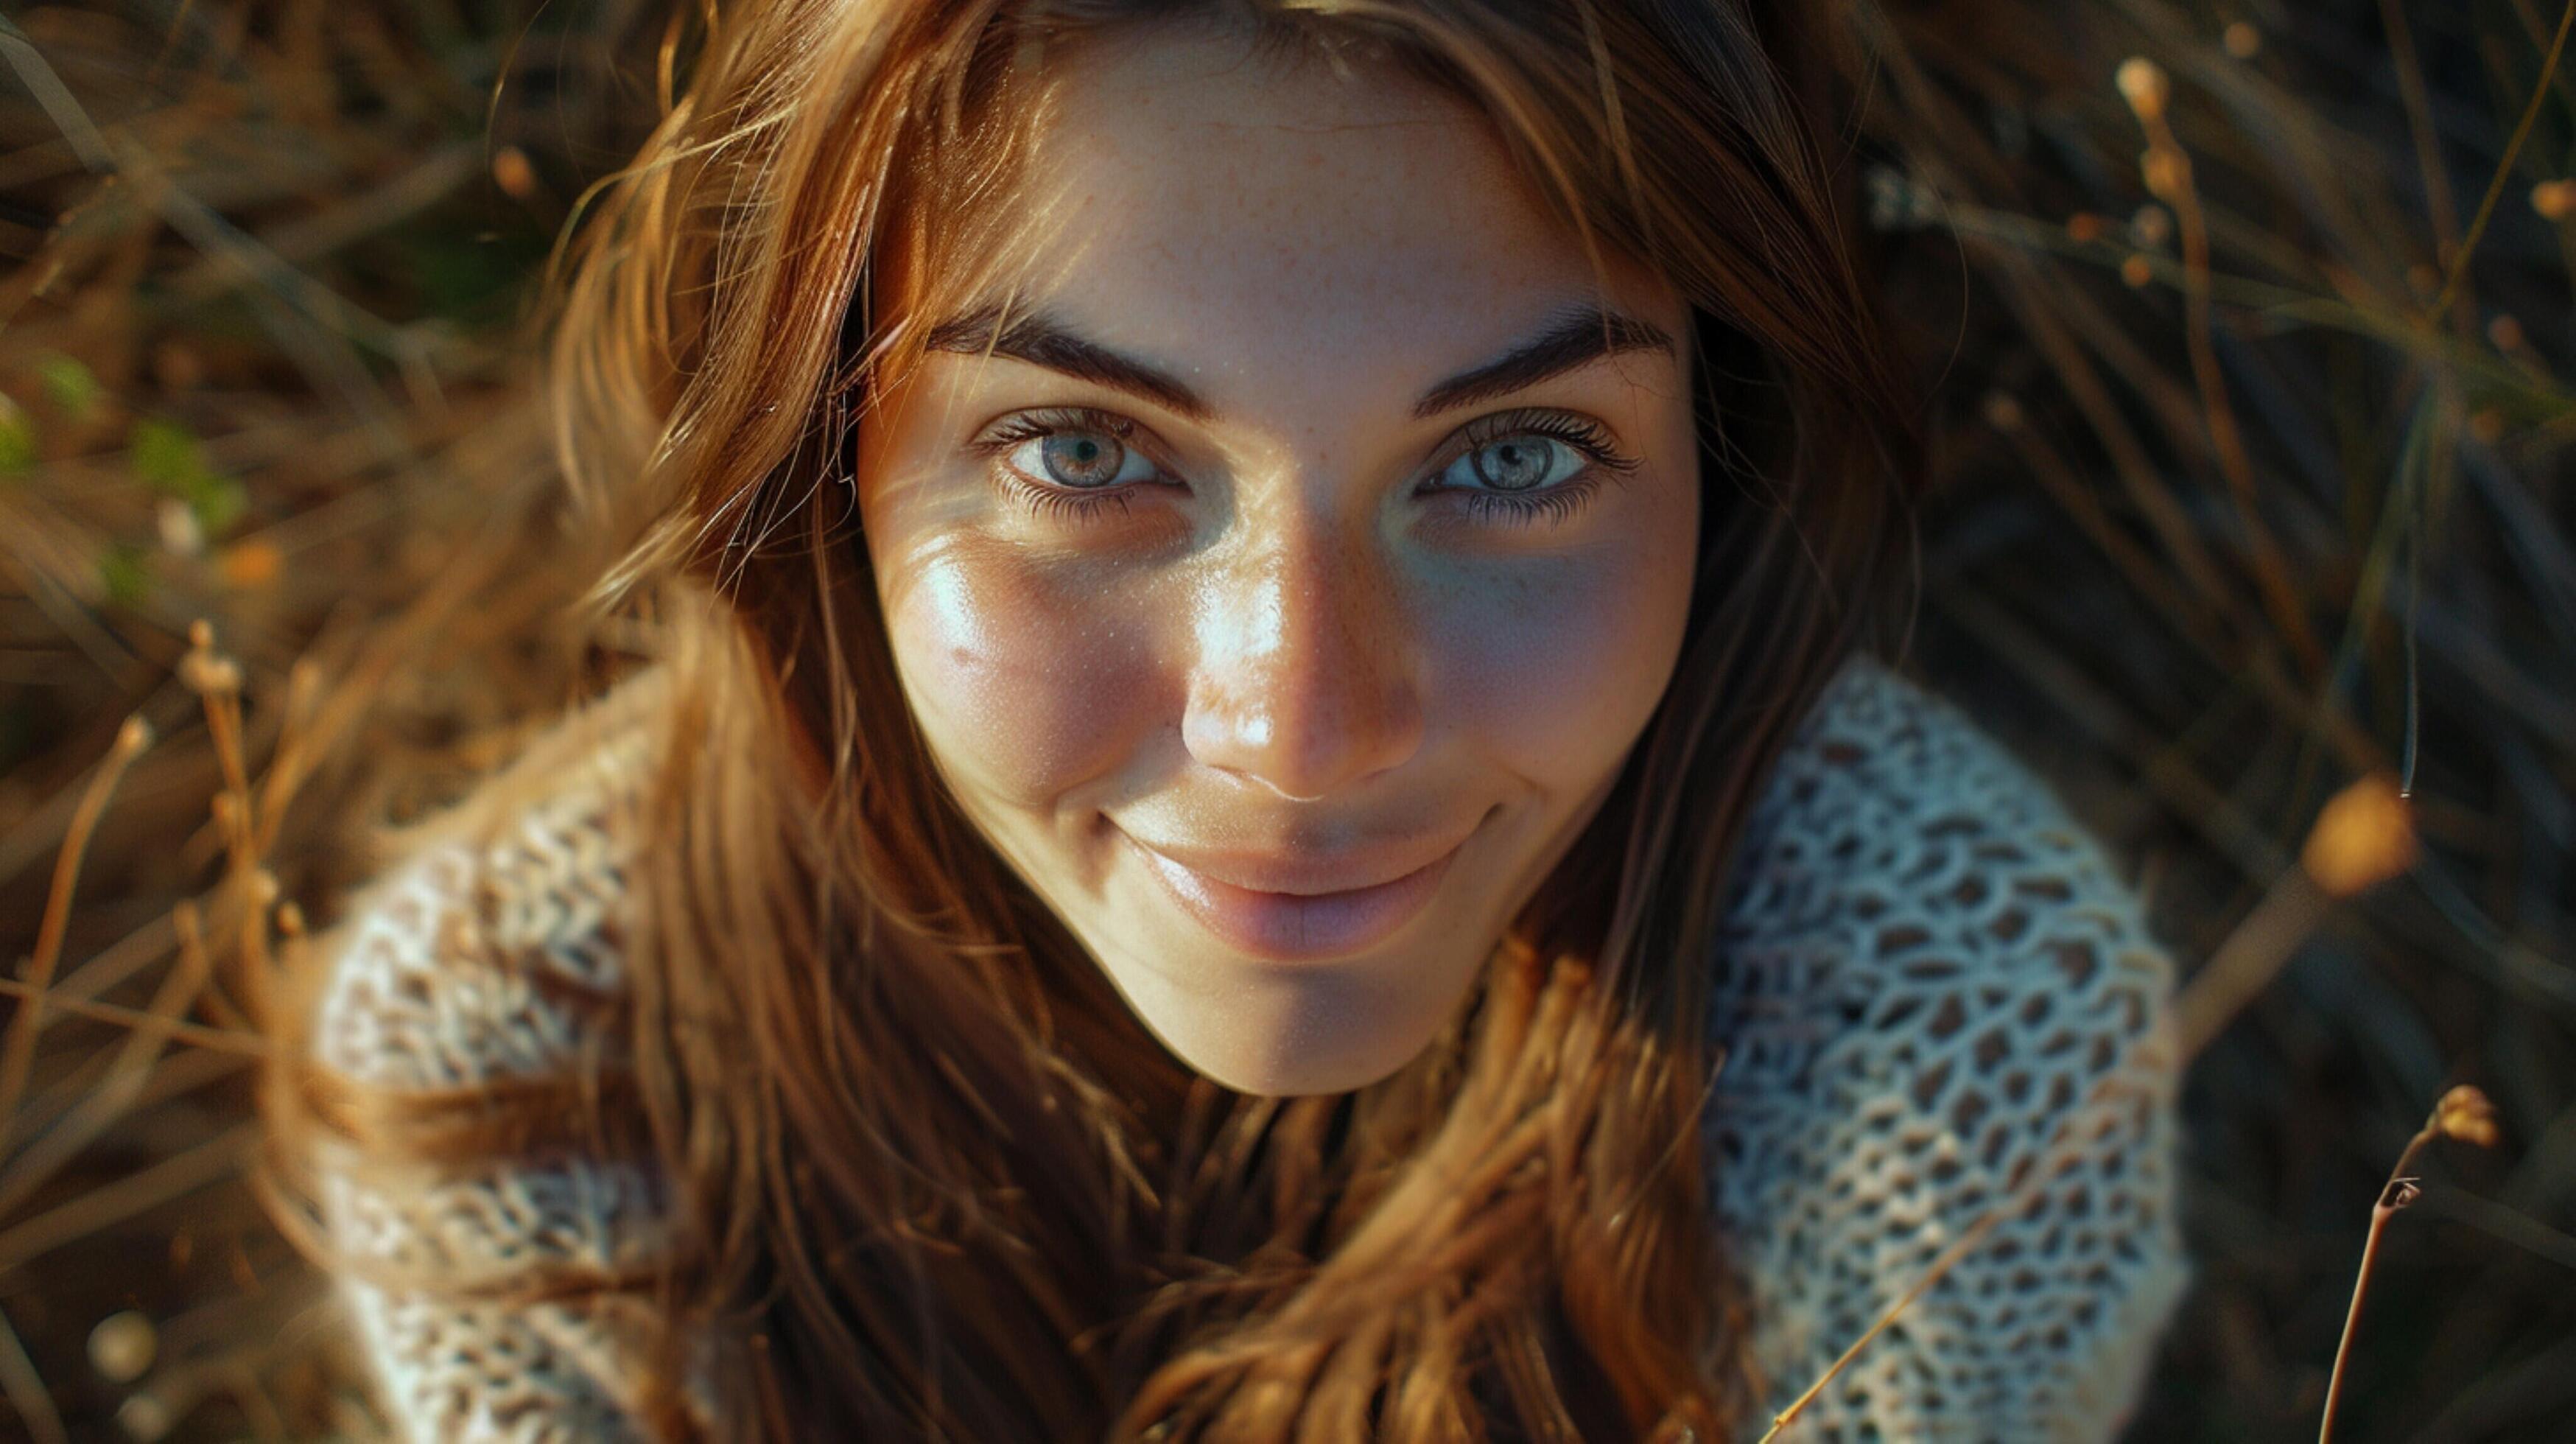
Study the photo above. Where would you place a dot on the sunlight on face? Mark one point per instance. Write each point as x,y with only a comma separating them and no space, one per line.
1283,595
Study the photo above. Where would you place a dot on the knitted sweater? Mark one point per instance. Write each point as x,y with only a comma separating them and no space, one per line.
1939,1006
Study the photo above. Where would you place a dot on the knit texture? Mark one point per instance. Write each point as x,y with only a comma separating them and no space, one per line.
1941,1008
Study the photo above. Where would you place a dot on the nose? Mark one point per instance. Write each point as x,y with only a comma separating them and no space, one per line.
1304,674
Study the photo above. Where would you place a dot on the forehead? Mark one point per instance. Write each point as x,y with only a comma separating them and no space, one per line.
1235,212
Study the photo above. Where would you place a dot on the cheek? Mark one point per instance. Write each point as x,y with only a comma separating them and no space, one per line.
1027,683
1556,669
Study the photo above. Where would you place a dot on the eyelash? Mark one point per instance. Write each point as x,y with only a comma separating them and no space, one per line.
1555,504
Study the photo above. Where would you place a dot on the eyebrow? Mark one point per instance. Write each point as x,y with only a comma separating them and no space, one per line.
1041,340
1572,339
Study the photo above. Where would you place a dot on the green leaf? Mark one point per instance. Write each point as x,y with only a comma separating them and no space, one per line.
165,457
70,386
218,504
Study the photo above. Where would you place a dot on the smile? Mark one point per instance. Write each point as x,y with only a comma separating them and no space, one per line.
1301,926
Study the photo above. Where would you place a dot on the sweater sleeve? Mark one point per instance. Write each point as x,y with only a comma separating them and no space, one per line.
1938,1002
484,958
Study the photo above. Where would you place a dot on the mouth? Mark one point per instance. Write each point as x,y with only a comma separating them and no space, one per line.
1310,924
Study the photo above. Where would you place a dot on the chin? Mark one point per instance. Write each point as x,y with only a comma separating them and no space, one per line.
1297,1077
1290,1030
1296,1052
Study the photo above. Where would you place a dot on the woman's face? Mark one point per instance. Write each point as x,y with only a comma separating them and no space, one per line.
1283,593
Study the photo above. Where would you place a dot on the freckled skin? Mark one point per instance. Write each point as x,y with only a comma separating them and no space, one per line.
1286,645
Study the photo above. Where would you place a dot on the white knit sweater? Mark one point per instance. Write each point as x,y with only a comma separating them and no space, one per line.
1938,1003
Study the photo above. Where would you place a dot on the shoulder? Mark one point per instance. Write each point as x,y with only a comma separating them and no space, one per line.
1897,848
1939,999
483,945
1878,746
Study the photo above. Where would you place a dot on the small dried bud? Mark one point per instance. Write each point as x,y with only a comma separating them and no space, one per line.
122,1346
2003,413
134,735
2241,40
251,564
2363,837
181,535
2151,227
143,1416
2143,84
2554,199
290,919
2506,333
201,634
2137,271
208,674
512,172
2466,1114
2084,227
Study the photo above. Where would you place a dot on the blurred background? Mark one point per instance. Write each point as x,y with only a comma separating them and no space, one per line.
2247,327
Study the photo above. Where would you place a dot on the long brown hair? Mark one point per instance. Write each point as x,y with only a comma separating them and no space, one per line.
930,1177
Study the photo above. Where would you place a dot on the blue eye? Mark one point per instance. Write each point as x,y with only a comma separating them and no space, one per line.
1523,462
1529,466
1068,461
1079,458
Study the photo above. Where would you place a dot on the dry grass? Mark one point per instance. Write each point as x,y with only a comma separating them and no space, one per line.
2253,430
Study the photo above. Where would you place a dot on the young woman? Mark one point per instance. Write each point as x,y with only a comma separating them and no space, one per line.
1261,809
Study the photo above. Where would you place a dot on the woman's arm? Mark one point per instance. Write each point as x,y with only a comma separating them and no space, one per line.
487,961
1940,1003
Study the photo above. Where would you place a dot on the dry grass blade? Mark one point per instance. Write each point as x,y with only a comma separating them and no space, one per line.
2169,178
26,1389
2463,1114
223,1039
18,1052
2364,836
2459,267
216,1158
130,1072
1969,1240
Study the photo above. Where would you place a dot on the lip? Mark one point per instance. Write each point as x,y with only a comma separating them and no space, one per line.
1303,917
